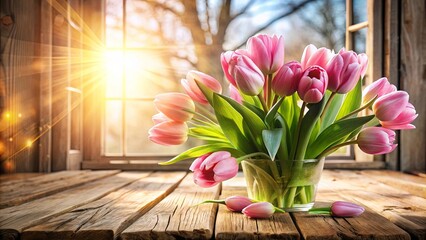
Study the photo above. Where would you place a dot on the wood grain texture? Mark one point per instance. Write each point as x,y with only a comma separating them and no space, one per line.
413,80
400,207
231,225
17,176
16,194
14,220
107,217
410,183
177,216
18,183
20,76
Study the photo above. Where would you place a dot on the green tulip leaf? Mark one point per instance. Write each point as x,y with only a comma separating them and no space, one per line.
253,122
204,149
333,109
272,140
352,101
232,124
208,93
335,133
270,117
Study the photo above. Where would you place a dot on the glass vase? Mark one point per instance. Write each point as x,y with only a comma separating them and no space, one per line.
289,185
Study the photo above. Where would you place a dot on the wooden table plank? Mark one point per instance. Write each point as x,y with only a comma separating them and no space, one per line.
21,182
369,225
231,225
409,183
400,207
17,176
177,217
107,217
27,191
14,220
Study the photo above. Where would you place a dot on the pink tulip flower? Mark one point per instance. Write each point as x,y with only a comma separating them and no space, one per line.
313,84
176,106
403,120
377,88
389,106
169,133
343,72
225,58
313,56
259,210
363,62
287,79
247,75
235,94
192,89
237,203
213,168
376,140
267,52
159,118
346,209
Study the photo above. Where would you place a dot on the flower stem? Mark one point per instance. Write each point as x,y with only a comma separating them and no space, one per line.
296,136
329,150
253,155
327,105
262,100
269,99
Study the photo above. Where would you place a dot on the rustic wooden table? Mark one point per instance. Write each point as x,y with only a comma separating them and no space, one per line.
161,205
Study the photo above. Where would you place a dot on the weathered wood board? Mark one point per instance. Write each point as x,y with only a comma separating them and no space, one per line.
178,216
105,218
16,194
14,220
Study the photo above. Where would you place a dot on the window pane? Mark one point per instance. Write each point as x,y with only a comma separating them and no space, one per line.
145,76
113,128
359,11
114,73
138,123
114,23
360,40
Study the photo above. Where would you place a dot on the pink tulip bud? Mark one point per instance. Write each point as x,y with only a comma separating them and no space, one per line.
363,61
225,58
313,84
237,203
176,106
313,56
159,118
235,94
247,75
287,79
389,106
259,210
169,133
343,72
213,168
404,119
346,209
377,88
376,140
192,89
267,52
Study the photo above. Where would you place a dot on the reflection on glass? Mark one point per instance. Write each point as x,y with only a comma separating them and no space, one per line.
359,11
113,128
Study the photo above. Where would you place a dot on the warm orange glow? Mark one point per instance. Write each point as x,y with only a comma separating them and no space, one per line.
7,115
29,143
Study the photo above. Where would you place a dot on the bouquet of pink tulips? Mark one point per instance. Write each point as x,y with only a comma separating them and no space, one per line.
280,111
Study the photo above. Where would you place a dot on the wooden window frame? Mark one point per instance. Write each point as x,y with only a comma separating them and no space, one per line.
362,161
